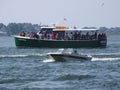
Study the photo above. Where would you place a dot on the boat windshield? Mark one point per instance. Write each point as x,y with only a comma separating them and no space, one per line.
70,51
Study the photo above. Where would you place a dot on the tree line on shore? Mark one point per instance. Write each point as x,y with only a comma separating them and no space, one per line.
16,28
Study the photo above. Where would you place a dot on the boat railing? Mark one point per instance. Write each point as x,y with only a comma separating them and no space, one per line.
65,36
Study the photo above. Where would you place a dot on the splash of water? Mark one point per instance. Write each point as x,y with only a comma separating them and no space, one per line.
104,59
48,60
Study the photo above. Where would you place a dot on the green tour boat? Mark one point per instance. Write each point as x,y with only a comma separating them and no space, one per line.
62,37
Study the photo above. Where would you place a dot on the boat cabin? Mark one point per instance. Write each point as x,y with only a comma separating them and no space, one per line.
66,33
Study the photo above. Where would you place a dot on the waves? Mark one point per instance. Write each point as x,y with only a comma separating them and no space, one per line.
95,57
48,60
105,59
59,78
102,54
22,56
74,77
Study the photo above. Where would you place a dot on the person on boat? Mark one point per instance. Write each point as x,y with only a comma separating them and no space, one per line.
96,35
23,34
53,35
102,36
34,35
78,35
87,35
40,35
74,51
75,36
70,36
62,36
66,36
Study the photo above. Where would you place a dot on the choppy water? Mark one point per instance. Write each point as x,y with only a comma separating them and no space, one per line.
31,69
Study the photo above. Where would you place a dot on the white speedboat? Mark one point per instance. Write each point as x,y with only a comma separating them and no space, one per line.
67,56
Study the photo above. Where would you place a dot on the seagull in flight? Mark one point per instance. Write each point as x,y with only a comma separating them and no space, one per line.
102,4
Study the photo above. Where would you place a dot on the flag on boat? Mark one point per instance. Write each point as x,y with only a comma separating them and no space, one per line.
65,19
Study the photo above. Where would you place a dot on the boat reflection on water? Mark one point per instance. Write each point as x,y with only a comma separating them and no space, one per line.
67,55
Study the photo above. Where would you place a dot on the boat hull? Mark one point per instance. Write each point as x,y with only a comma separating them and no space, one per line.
30,42
69,57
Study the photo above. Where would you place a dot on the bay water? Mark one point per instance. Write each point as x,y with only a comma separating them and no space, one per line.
32,69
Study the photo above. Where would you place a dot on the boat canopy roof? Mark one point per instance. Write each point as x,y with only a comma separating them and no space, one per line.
64,28
67,29
75,30
47,27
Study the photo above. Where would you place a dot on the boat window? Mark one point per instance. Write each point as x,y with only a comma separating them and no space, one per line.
46,30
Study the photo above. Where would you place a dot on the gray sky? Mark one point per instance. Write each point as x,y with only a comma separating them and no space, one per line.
78,13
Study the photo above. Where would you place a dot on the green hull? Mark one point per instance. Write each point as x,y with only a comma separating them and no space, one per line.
27,42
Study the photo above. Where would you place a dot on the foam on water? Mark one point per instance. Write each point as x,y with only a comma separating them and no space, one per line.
104,59
22,56
48,60
107,54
